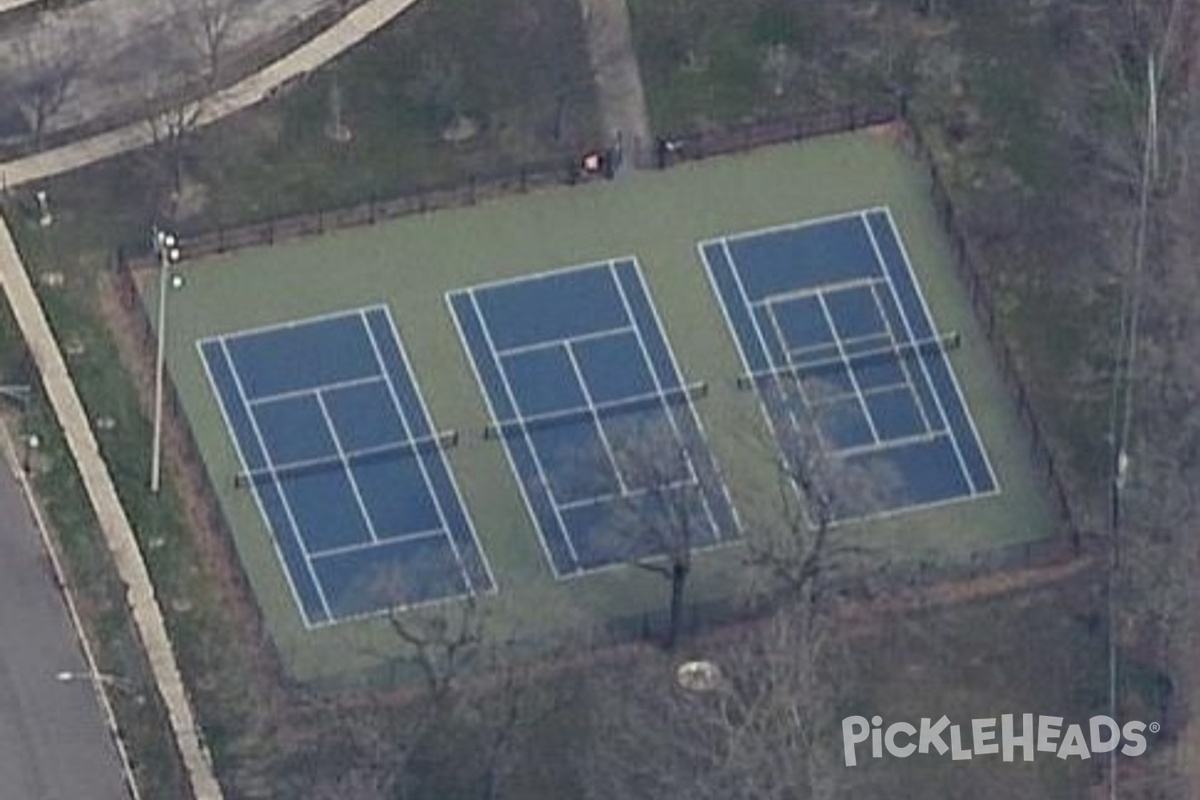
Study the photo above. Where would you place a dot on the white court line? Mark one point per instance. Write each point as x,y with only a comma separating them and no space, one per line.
545,345
540,274
469,352
789,367
874,390
537,459
300,322
794,352
862,402
786,403
887,212
595,415
645,353
962,464
786,226
325,387
629,495
568,414
908,375
792,370
376,545
890,444
396,446
237,447
427,418
815,291
287,506
341,451
399,408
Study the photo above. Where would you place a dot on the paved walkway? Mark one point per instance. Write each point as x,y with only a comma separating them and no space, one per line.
343,35
114,525
615,68
9,5
31,319
117,54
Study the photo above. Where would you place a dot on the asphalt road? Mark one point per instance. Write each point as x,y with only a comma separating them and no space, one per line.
53,742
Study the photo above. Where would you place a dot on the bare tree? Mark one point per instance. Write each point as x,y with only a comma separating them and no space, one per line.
208,24
663,516
799,551
171,129
50,60
441,643
763,732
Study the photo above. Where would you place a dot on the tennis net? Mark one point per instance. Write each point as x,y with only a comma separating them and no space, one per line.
877,355
612,408
369,455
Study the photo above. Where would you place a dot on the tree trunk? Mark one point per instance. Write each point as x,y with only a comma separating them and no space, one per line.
679,574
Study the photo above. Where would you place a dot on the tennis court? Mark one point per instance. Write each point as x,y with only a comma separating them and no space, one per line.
336,444
835,335
598,425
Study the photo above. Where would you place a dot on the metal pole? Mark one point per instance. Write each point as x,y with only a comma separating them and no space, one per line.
165,247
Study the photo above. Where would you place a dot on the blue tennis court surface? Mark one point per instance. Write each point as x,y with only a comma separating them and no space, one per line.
338,448
835,335
598,424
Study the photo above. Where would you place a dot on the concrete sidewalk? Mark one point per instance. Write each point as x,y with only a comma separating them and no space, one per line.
114,525
35,328
347,32
12,5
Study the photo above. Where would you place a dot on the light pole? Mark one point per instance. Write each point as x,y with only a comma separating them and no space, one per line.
166,247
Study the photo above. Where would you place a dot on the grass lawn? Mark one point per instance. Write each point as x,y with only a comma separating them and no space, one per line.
513,71
706,63
947,661
412,262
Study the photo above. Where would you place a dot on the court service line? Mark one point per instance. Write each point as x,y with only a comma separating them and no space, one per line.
891,444
345,462
962,464
334,386
376,545
868,392
631,494
287,506
851,340
815,291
